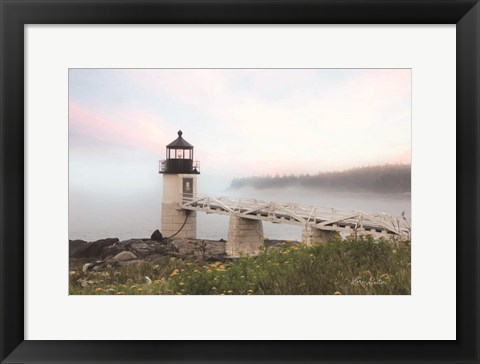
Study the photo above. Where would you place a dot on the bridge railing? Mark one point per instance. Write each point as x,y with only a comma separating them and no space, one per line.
320,217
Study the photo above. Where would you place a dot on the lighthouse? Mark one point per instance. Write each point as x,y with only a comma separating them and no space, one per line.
179,184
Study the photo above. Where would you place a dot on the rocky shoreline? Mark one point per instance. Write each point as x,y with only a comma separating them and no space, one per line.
111,252
99,254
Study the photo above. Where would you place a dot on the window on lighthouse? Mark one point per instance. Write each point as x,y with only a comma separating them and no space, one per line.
179,154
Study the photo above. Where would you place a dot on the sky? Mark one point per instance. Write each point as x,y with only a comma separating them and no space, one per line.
242,122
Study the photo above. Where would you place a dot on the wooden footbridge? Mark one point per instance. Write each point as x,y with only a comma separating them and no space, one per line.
324,219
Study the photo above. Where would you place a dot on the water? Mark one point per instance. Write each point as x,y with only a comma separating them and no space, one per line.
94,215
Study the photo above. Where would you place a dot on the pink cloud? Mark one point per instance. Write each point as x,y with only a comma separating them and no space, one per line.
135,129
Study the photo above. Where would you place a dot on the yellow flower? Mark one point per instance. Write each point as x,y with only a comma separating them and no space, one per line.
158,281
99,289
337,293
214,288
174,273
133,287
140,290
196,271
250,291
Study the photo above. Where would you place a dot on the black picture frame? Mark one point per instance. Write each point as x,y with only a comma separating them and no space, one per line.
15,14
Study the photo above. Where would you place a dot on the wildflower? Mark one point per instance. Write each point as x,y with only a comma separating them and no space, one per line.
250,291
99,289
337,293
214,288
133,287
174,273
140,290
196,271
181,283
158,281
229,291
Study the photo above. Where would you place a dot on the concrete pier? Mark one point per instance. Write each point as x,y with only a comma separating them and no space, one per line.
245,236
173,218
314,235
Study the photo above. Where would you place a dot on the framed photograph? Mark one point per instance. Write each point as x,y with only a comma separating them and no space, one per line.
239,181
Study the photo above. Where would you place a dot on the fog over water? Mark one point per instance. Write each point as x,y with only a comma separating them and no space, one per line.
129,214
242,122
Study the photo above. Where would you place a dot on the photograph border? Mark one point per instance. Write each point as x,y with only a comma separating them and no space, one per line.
16,14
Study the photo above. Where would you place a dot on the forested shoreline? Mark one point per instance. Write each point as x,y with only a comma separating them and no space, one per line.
389,178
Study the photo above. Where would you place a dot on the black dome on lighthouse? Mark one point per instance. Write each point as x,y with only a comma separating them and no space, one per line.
180,143
179,158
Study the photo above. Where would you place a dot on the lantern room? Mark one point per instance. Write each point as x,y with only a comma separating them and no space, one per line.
179,158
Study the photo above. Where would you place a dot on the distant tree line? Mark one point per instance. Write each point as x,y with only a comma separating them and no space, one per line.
381,178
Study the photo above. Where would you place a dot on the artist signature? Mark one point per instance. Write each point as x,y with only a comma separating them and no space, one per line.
371,282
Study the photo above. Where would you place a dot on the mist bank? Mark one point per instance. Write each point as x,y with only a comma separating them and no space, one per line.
390,178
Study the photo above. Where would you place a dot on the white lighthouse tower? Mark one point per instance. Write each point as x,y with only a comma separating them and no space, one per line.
179,184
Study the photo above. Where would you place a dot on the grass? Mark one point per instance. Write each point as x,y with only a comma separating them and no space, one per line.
355,266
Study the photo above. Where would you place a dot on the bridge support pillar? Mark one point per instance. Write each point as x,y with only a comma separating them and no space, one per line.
311,234
244,236
173,218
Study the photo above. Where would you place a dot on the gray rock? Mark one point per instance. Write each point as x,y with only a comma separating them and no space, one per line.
144,248
93,249
157,236
124,257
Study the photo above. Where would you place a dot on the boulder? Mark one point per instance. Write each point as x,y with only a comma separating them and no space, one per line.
124,257
73,246
157,236
93,249
144,248
199,249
